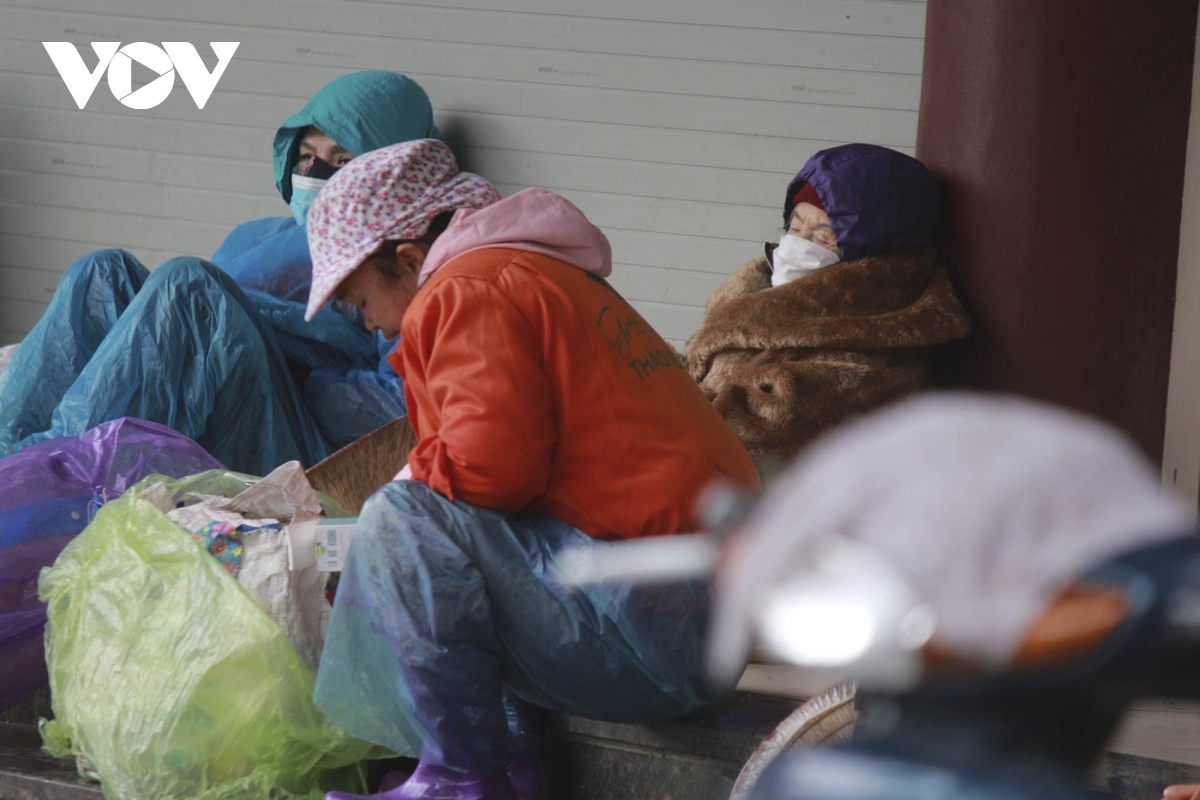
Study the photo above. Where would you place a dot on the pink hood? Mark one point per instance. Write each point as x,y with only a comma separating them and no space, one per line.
535,220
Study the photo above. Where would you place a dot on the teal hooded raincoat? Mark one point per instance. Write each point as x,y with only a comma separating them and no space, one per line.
351,389
210,349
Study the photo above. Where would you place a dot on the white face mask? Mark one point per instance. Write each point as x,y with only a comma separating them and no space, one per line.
796,257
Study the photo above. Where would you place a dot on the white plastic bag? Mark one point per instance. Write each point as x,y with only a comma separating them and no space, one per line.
291,591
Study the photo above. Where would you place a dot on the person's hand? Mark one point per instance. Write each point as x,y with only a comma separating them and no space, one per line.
1181,791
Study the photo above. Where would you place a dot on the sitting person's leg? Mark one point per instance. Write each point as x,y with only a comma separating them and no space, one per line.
443,606
190,352
92,294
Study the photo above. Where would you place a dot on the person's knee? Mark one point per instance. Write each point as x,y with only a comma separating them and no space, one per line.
406,510
389,510
101,264
186,270
109,255
399,500
188,276
196,295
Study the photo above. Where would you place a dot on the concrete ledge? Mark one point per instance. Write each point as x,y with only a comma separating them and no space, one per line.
28,773
697,758
1128,777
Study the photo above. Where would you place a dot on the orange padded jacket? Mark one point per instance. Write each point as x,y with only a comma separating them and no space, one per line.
534,387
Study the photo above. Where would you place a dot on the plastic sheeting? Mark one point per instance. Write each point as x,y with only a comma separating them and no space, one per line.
53,488
348,405
355,390
268,255
147,357
444,606
6,354
351,389
90,298
288,587
158,367
204,697
181,346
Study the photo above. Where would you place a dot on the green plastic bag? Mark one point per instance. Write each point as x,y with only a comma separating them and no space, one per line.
168,679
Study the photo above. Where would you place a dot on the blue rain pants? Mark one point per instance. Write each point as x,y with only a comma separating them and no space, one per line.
181,346
352,390
444,607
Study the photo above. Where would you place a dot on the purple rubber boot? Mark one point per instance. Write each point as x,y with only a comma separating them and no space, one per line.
431,782
528,779
525,773
393,779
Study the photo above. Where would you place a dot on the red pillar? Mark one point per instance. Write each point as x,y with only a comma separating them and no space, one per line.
1058,129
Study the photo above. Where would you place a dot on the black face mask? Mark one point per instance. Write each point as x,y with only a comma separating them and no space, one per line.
318,169
307,180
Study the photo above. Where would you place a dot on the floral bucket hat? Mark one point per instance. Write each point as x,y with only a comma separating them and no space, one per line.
385,195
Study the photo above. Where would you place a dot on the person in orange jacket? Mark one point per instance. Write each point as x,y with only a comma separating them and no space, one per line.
550,417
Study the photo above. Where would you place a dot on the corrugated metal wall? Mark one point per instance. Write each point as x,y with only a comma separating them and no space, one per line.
673,125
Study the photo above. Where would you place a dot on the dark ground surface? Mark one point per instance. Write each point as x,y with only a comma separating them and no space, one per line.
694,759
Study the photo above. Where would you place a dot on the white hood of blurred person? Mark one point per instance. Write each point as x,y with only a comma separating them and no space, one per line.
976,511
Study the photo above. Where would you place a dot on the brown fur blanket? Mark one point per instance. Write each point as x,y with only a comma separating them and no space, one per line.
785,364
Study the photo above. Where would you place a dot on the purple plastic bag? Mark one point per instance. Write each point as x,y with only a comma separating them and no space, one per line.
48,492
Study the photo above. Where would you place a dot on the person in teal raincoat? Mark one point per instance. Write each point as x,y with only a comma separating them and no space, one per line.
219,350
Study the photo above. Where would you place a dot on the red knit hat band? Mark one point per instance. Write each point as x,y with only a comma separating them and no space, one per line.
807,194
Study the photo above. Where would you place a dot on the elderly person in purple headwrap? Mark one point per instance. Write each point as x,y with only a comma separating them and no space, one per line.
836,319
